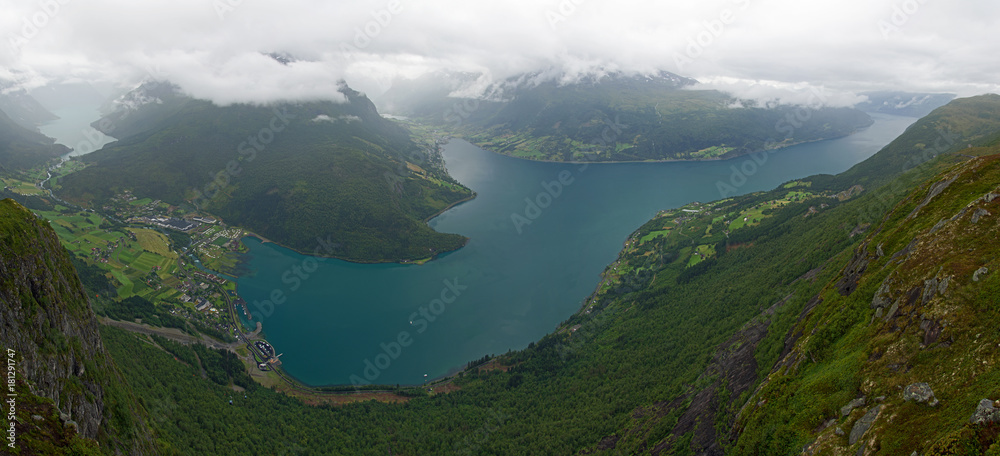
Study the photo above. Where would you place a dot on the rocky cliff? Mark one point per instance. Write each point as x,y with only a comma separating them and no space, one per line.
51,334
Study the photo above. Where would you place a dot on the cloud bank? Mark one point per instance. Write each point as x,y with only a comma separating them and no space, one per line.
766,50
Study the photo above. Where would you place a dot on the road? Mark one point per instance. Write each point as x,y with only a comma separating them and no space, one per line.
169,333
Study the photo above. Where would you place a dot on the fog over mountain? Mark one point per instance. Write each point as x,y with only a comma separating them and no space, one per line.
770,50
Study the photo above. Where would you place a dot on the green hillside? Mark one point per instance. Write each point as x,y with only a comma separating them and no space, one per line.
292,174
616,118
22,149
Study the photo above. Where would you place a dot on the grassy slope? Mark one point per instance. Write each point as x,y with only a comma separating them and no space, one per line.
947,339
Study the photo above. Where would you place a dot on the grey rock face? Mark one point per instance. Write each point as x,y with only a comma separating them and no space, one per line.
980,213
986,412
920,392
846,410
863,424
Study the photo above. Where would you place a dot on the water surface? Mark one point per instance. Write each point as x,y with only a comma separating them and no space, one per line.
505,288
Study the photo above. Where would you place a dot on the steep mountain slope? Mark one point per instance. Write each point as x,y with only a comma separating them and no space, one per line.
21,148
22,108
63,375
612,117
916,307
334,171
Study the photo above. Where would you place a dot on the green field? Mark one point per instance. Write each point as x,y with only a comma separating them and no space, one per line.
129,263
653,234
21,187
707,250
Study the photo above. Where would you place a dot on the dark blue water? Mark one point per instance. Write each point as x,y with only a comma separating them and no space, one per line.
391,324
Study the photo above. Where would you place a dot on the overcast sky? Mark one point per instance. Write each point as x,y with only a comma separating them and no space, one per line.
753,48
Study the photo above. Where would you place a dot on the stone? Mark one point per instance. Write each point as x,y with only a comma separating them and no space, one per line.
838,431
980,213
930,289
920,392
892,311
37,417
980,272
986,412
863,424
943,286
882,298
846,410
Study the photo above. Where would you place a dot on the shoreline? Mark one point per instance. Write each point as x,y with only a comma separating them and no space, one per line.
669,160
265,240
661,160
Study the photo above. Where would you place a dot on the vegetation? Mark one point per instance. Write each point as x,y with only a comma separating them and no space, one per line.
22,149
737,326
620,118
332,172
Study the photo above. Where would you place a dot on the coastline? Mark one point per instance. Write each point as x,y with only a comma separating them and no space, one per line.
265,240
668,160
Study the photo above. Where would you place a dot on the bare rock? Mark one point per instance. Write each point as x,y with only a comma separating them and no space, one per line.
920,392
980,213
846,410
980,272
863,424
986,412
882,296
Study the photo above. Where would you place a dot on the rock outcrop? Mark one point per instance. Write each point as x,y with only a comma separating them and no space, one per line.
47,323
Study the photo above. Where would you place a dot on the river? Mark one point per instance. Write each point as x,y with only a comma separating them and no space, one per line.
515,281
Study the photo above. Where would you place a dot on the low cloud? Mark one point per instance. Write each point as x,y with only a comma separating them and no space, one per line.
764,50
342,118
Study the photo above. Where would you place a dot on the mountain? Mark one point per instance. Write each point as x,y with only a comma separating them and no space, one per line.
22,108
295,174
68,394
897,353
751,325
21,148
904,103
611,117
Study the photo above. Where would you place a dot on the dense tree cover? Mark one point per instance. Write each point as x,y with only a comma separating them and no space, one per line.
295,174
621,118
137,307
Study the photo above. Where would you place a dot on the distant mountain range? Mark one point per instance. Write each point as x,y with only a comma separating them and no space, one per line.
22,148
904,103
22,108
291,173
610,117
